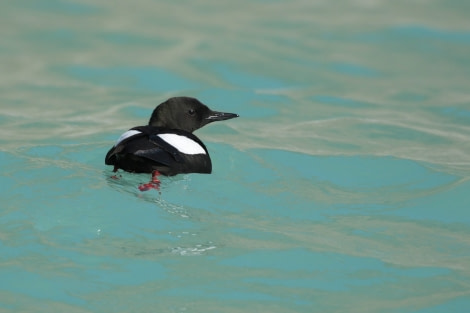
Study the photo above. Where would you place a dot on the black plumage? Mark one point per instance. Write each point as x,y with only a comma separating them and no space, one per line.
167,144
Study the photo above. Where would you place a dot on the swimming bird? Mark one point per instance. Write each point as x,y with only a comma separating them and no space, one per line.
167,144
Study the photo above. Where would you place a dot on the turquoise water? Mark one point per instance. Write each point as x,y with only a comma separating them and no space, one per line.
343,186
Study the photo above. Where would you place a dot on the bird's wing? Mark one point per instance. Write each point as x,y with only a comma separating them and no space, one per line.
174,152
156,154
122,144
143,141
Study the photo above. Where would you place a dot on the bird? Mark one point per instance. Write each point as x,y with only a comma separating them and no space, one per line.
166,145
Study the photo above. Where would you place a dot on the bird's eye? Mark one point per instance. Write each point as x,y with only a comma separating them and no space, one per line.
191,111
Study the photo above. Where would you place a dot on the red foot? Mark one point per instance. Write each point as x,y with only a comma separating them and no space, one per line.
114,171
153,184
148,186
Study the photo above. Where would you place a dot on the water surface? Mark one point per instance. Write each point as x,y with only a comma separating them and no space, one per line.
342,187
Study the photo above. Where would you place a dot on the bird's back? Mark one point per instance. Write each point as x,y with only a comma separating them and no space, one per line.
145,149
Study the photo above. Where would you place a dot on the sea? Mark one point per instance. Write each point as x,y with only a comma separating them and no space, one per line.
344,185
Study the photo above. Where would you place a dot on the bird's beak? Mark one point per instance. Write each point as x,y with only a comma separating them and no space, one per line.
219,116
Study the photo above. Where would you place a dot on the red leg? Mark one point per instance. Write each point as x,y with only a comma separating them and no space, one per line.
155,175
114,171
153,184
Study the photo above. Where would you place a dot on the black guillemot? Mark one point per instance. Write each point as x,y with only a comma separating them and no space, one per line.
167,145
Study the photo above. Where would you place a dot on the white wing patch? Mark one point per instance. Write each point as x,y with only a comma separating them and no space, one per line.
126,135
183,144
